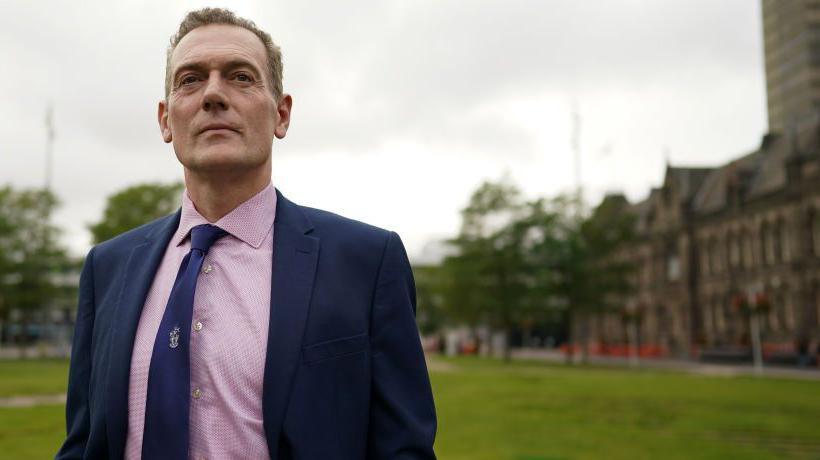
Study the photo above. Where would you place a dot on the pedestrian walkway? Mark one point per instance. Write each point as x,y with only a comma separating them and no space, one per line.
695,367
31,401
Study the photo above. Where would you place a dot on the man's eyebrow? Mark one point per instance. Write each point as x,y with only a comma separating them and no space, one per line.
227,65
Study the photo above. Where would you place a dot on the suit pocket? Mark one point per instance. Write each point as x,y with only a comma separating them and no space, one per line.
336,347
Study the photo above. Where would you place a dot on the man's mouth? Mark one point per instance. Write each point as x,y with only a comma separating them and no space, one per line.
218,128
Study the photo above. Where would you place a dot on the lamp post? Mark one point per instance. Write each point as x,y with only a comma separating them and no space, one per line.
631,316
753,304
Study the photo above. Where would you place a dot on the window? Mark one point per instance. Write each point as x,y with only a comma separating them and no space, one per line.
774,321
767,243
734,250
714,256
704,259
788,311
708,324
784,253
777,239
748,257
673,267
816,234
720,318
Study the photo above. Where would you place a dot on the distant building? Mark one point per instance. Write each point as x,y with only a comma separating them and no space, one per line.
710,234
752,226
791,41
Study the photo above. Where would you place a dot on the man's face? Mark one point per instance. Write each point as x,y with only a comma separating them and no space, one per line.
221,114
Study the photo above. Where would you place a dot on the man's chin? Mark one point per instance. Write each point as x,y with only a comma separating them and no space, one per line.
215,160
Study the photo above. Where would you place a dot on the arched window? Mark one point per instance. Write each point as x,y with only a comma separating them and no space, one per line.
769,235
773,317
704,257
788,311
714,255
708,324
817,305
815,232
808,235
733,243
748,258
720,315
783,247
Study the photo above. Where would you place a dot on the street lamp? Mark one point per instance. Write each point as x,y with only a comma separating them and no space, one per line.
631,316
754,304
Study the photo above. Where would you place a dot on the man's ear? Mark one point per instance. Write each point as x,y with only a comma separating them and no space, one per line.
162,117
283,112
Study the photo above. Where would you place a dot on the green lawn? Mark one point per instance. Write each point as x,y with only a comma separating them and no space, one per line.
33,377
488,410
534,411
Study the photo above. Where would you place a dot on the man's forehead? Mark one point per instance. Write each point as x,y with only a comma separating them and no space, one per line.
218,42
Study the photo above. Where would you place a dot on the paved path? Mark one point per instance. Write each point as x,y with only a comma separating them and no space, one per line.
725,370
31,401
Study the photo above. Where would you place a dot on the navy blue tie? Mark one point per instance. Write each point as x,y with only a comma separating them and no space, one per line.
169,377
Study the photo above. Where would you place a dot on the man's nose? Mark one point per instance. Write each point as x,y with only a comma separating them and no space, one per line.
214,97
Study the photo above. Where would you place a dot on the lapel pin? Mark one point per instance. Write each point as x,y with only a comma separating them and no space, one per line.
174,338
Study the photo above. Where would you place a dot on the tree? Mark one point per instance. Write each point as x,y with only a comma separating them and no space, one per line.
500,274
430,316
595,277
134,206
516,261
33,265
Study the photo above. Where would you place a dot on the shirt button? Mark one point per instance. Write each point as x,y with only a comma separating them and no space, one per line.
196,393
208,269
197,326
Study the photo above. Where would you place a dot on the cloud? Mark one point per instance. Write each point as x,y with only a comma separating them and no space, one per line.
450,92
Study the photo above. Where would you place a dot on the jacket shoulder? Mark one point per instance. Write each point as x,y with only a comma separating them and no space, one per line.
330,224
350,239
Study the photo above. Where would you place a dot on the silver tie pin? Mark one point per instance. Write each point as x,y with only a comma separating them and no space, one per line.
174,338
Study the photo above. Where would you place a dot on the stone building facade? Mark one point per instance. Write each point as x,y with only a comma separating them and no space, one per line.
709,236
791,43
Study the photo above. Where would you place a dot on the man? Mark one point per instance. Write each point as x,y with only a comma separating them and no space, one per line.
244,325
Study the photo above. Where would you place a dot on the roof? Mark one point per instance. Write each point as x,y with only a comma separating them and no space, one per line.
754,175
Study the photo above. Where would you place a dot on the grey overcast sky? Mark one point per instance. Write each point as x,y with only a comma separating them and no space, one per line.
401,108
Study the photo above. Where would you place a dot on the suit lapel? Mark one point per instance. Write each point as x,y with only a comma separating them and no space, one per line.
137,278
295,255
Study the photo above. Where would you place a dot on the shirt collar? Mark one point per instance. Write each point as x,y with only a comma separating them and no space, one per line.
250,221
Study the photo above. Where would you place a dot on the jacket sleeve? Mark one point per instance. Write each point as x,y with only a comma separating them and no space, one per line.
402,413
77,405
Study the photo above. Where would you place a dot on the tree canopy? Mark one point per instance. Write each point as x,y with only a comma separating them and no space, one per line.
134,206
33,264
514,260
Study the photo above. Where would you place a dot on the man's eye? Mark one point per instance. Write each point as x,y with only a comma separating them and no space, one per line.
188,80
243,77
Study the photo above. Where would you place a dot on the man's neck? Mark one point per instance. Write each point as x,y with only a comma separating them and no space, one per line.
214,197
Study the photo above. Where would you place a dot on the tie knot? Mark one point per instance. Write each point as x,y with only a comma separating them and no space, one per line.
203,236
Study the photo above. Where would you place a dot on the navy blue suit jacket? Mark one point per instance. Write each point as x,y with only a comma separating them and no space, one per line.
345,376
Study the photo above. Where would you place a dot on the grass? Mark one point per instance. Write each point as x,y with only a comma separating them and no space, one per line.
488,410
536,411
31,432
33,377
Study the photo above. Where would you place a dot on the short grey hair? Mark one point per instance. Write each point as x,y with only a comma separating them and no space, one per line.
209,16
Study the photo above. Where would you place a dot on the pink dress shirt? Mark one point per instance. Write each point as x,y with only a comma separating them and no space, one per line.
229,333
